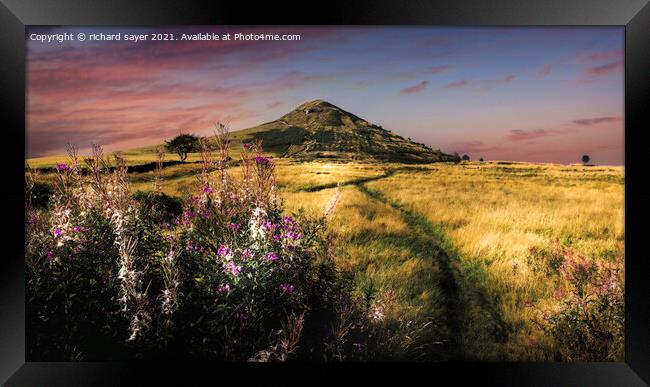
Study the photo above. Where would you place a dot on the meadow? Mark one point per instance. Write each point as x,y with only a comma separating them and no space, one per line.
463,260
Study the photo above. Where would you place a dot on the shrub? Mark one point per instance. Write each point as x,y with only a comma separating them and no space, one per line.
225,275
586,320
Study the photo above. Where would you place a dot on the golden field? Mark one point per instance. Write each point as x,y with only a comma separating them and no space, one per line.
447,245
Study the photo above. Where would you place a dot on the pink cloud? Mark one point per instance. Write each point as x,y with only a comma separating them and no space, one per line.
604,69
525,135
597,120
273,105
598,56
415,89
593,73
438,69
456,84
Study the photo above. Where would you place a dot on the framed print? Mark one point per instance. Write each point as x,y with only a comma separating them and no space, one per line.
399,189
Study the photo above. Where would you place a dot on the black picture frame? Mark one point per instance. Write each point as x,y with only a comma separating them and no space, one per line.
16,14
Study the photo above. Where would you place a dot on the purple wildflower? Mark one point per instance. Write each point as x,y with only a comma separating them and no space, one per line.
271,257
247,254
241,316
63,167
207,189
79,229
224,288
287,222
293,235
32,219
234,226
286,288
57,232
248,145
270,226
232,268
50,254
223,251
260,160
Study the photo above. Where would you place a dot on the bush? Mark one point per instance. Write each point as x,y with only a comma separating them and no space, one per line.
158,206
226,275
41,194
586,321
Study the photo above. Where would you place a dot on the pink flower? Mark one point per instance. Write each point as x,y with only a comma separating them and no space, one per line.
271,257
234,226
223,251
207,189
57,232
63,167
248,145
232,268
79,229
247,254
262,160
224,288
286,288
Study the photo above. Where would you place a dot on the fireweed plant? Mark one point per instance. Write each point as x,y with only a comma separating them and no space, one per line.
223,275
587,319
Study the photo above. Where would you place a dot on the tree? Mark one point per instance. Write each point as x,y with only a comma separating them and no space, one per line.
585,159
183,144
466,157
481,159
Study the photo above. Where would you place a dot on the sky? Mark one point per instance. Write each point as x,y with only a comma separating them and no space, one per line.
533,94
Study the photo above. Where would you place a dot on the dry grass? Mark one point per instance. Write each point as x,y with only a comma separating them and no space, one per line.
484,215
493,214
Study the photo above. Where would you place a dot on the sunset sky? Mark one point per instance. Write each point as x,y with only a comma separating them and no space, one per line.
520,93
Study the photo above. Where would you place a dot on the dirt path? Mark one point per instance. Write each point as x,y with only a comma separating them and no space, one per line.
431,239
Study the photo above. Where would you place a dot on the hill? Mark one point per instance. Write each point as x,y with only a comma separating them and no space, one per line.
319,129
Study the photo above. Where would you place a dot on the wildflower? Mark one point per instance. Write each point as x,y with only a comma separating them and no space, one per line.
232,268
248,145
57,232
247,253
223,251
260,160
50,254
207,189
241,316
270,226
376,313
293,235
79,229
286,288
32,219
224,288
234,226
63,167
271,257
